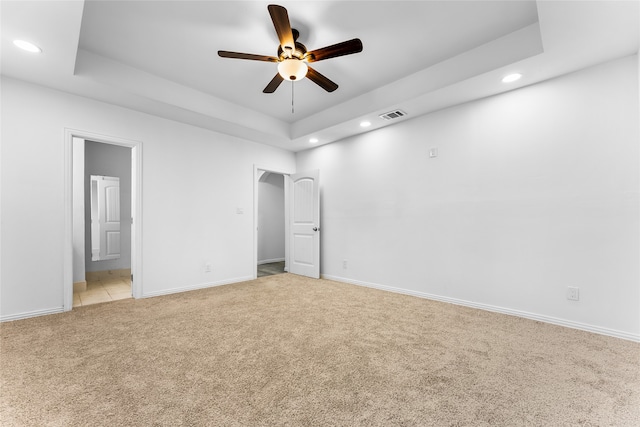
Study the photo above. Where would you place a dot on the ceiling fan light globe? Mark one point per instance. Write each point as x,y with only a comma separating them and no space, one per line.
292,69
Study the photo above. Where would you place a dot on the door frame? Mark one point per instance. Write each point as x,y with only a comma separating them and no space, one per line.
256,178
136,209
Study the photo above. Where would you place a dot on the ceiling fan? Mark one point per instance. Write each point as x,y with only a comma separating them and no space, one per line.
293,56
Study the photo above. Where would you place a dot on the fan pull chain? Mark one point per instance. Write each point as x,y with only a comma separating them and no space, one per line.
292,97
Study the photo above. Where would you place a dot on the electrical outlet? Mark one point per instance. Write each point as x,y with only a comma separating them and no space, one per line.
573,293
344,264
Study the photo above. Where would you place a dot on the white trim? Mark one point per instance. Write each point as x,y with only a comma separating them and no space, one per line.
269,261
27,314
136,226
67,244
136,209
196,287
518,313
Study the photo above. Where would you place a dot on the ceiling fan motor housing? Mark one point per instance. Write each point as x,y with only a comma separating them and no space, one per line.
300,52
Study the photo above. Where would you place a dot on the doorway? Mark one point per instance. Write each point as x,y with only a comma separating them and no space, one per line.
301,221
107,230
271,224
90,159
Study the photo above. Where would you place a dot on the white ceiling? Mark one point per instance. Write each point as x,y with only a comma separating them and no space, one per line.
161,57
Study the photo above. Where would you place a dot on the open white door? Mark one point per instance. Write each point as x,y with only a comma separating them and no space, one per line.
304,233
105,217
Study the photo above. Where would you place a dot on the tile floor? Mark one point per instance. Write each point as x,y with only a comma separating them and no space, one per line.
104,290
270,269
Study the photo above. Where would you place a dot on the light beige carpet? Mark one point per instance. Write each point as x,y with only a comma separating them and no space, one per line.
288,351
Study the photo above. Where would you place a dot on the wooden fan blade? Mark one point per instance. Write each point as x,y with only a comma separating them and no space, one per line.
280,19
321,80
345,48
273,84
238,55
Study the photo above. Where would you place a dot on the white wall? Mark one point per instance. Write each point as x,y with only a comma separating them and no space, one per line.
271,234
108,160
533,191
193,181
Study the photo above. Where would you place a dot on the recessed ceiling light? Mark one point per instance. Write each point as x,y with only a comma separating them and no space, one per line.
313,140
28,46
365,124
511,78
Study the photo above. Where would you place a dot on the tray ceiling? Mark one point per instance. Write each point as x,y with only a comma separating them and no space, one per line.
419,56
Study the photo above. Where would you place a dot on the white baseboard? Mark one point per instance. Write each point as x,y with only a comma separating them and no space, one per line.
36,313
533,316
269,261
196,287
28,314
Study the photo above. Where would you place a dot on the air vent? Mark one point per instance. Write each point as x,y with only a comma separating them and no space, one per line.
393,115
